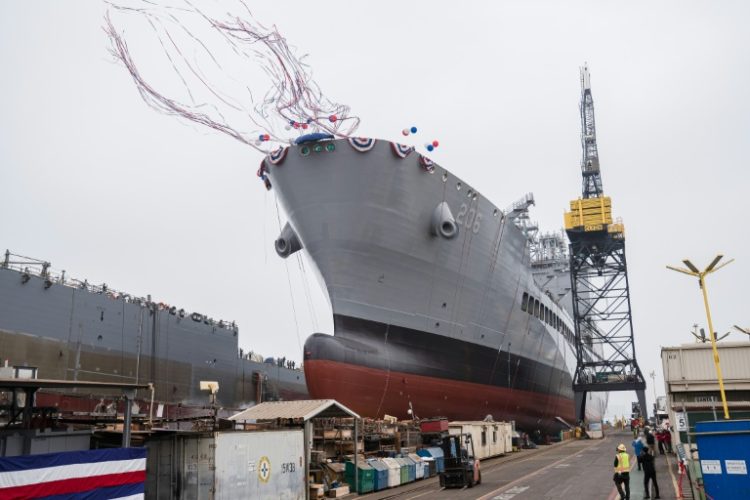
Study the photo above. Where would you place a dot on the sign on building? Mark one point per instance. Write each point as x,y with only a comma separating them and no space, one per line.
681,423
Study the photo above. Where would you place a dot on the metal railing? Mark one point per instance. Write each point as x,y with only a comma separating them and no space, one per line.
28,266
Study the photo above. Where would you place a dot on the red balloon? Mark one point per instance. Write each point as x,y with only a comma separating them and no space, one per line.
266,137
333,118
435,143
304,125
296,125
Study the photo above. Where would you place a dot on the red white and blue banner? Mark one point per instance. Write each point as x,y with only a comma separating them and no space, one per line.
401,150
362,144
427,164
112,473
263,174
277,157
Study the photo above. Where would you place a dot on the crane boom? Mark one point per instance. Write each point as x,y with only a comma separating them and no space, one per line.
592,180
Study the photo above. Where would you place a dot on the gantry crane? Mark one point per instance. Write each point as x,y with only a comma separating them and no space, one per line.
605,349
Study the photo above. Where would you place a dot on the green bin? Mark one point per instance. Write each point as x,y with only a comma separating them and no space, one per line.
404,470
366,477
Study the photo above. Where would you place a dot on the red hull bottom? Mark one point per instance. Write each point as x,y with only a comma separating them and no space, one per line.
373,393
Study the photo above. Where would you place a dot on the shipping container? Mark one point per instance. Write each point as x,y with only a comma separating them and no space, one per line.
226,465
490,439
690,367
724,449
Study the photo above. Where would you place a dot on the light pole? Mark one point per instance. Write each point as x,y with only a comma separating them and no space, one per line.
653,384
701,275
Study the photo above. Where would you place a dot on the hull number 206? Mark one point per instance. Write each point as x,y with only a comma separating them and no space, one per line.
470,218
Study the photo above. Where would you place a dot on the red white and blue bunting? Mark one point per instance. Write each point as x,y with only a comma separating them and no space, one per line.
362,144
262,173
277,157
401,150
427,164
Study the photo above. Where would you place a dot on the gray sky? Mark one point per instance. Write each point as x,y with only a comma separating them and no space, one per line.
99,184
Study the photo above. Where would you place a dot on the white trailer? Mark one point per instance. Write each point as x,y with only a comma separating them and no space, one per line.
227,465
491,439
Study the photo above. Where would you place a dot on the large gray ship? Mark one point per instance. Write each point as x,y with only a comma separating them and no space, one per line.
69,329
443,304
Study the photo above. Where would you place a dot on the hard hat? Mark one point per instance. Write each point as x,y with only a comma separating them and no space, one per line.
621,447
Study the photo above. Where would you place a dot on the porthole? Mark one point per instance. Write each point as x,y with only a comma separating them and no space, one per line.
304,150
458,186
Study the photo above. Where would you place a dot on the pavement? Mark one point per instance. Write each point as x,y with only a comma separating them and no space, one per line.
579,470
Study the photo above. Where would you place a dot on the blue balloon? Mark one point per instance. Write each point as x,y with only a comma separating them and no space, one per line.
260,137
414,130
430,147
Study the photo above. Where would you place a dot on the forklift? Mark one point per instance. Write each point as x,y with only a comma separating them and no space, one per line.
461,468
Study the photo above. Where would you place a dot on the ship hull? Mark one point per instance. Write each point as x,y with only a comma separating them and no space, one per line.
382,369
71,332
408,299
372,391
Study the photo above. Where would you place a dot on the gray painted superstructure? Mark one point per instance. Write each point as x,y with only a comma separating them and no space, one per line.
367,220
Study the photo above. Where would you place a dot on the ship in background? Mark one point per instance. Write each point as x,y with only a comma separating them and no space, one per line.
443,304
68,329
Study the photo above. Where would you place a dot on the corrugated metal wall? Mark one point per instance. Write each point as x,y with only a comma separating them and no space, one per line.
227,465
260,465
696,364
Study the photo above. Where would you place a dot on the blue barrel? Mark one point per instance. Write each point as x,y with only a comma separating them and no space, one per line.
724,449
381,474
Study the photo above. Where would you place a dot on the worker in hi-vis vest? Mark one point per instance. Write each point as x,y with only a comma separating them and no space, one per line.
622,472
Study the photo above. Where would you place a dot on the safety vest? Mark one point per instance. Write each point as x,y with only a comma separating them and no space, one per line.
623,462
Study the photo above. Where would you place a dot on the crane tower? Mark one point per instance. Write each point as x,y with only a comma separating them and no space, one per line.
605,350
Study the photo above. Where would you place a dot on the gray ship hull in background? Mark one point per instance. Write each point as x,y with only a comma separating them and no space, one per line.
79,332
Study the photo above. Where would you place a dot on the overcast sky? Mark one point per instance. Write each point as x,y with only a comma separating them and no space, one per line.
102,186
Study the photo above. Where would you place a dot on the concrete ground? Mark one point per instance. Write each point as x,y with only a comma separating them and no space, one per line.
579,470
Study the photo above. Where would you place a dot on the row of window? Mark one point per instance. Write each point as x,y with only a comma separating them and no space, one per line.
532,306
